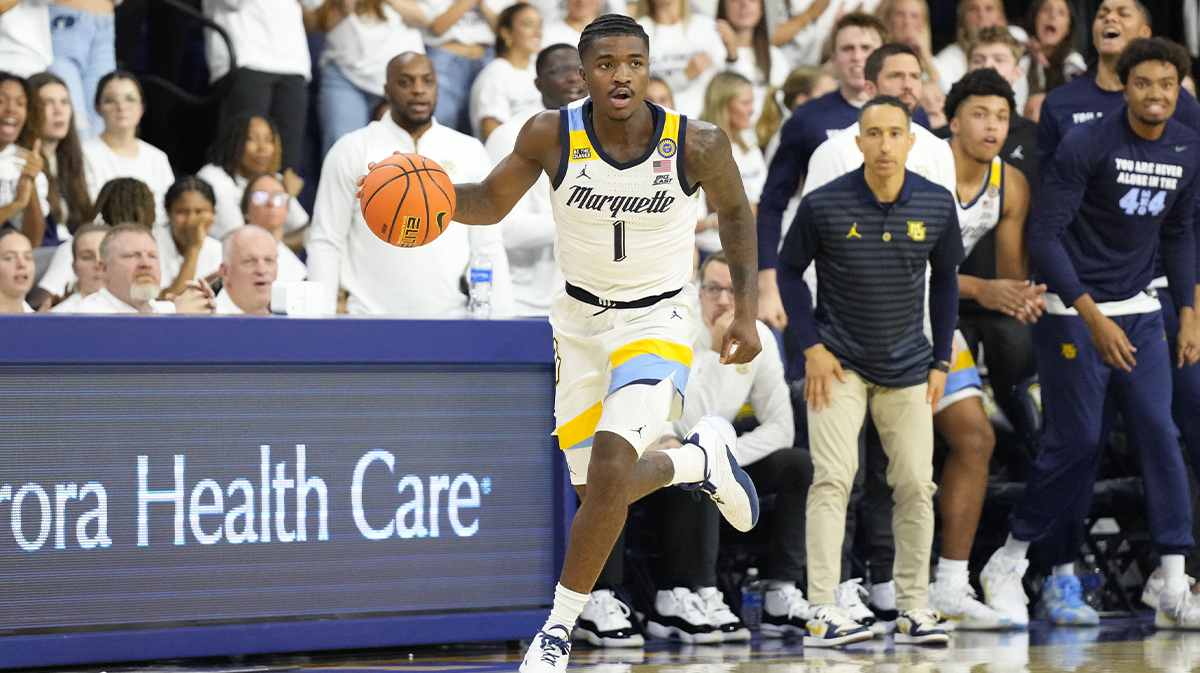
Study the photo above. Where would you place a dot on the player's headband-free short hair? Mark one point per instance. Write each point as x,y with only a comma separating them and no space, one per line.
611,25
543,58
884,100
982,82
1153,49
875,61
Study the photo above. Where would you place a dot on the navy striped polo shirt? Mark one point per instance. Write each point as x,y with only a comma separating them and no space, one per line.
871,262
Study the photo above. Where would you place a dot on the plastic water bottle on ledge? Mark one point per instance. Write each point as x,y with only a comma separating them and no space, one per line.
752,599
1091,581
479,283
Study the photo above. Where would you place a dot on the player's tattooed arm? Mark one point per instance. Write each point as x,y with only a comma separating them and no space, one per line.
487,202
710,164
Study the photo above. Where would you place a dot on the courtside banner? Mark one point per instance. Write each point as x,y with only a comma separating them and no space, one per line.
158,495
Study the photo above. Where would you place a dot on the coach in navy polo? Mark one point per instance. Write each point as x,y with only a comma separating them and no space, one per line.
871,234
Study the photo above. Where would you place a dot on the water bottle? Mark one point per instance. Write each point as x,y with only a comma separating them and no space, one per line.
1091,580
752,599
479,283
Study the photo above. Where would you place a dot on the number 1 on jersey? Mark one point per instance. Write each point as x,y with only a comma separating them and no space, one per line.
619,241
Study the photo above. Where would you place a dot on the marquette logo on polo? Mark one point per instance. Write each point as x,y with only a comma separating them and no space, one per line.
916,231
586,198
1068,351
581,153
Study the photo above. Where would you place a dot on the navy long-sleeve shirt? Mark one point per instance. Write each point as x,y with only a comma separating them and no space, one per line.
871,260
809,126
1109,197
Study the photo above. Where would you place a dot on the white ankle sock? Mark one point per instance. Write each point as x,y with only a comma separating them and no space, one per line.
1015,549
689,464
1172,567
949,570
1064,569
567,606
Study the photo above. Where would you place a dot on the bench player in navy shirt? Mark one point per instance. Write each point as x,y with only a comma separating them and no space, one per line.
1111,198
1080,104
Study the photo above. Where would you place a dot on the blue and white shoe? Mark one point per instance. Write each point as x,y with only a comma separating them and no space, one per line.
549,651
830,626
724,480
1062,603
919,627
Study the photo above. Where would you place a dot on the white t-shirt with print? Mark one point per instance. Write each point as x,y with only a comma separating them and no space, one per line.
502,91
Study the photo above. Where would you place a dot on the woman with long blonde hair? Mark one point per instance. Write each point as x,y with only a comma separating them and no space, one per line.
729,105
748,49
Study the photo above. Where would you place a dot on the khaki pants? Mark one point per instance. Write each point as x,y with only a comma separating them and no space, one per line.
905,424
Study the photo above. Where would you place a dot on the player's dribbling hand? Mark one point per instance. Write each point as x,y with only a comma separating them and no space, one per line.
820,366
935,389
1189,338
740,344
1115,348
361,178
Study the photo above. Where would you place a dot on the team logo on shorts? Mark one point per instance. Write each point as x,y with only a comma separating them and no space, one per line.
916,231
581,153
1069,352
666,147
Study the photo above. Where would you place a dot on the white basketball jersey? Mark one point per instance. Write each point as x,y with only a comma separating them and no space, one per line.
979,216
625,230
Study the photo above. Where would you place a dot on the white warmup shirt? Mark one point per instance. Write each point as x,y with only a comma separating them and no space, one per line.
171,261
383,279
59,276
361,45
501,91
472,28
103,302
805,47
714,388
747,66
268,36
229,190
101,164
10,176
753,170
25,47
674,47
930,158
528,230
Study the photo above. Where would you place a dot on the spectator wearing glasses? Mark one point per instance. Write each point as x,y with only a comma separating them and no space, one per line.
505,86
129,265
16,271
265,204
85,254
245,147
248,268
185,250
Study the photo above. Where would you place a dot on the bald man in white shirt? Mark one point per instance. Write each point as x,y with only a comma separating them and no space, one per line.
249,266
129,264
383,279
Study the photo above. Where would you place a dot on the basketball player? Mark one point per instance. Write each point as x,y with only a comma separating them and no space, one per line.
1111,198
991,195
624,175
1079,104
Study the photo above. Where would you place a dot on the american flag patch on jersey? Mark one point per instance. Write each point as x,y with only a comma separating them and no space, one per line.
663,166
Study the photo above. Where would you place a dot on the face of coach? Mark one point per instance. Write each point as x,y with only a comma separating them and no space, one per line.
884,140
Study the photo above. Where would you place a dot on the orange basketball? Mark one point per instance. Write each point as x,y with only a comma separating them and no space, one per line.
407,200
